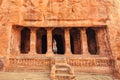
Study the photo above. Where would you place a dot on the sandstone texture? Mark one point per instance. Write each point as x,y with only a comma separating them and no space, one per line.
45,76
63,14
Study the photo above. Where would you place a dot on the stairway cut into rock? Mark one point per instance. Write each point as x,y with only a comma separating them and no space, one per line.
61,70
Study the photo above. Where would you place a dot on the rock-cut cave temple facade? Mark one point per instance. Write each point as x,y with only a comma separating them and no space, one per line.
43,35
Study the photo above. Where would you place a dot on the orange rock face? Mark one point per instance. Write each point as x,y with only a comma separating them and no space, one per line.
65,14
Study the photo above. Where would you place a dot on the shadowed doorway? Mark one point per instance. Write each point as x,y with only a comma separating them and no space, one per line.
91,39
75,40
58,41
41,41
25,41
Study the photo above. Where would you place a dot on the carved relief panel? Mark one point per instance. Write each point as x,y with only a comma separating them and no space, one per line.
75,10
32,10
37,10
67,9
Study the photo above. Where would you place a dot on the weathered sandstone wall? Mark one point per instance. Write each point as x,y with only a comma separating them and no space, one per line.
59,13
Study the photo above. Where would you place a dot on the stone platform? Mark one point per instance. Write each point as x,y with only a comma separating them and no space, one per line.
45,76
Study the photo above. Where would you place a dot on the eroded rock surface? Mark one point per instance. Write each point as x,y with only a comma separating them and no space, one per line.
60,13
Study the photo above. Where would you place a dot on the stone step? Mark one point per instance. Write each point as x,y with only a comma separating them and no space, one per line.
62,69
62,72
64,78
66,75
62,66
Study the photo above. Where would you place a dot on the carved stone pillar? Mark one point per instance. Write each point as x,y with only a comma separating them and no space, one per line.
16,39
19,40
84,42
33,41
102,42
67,43
49,43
